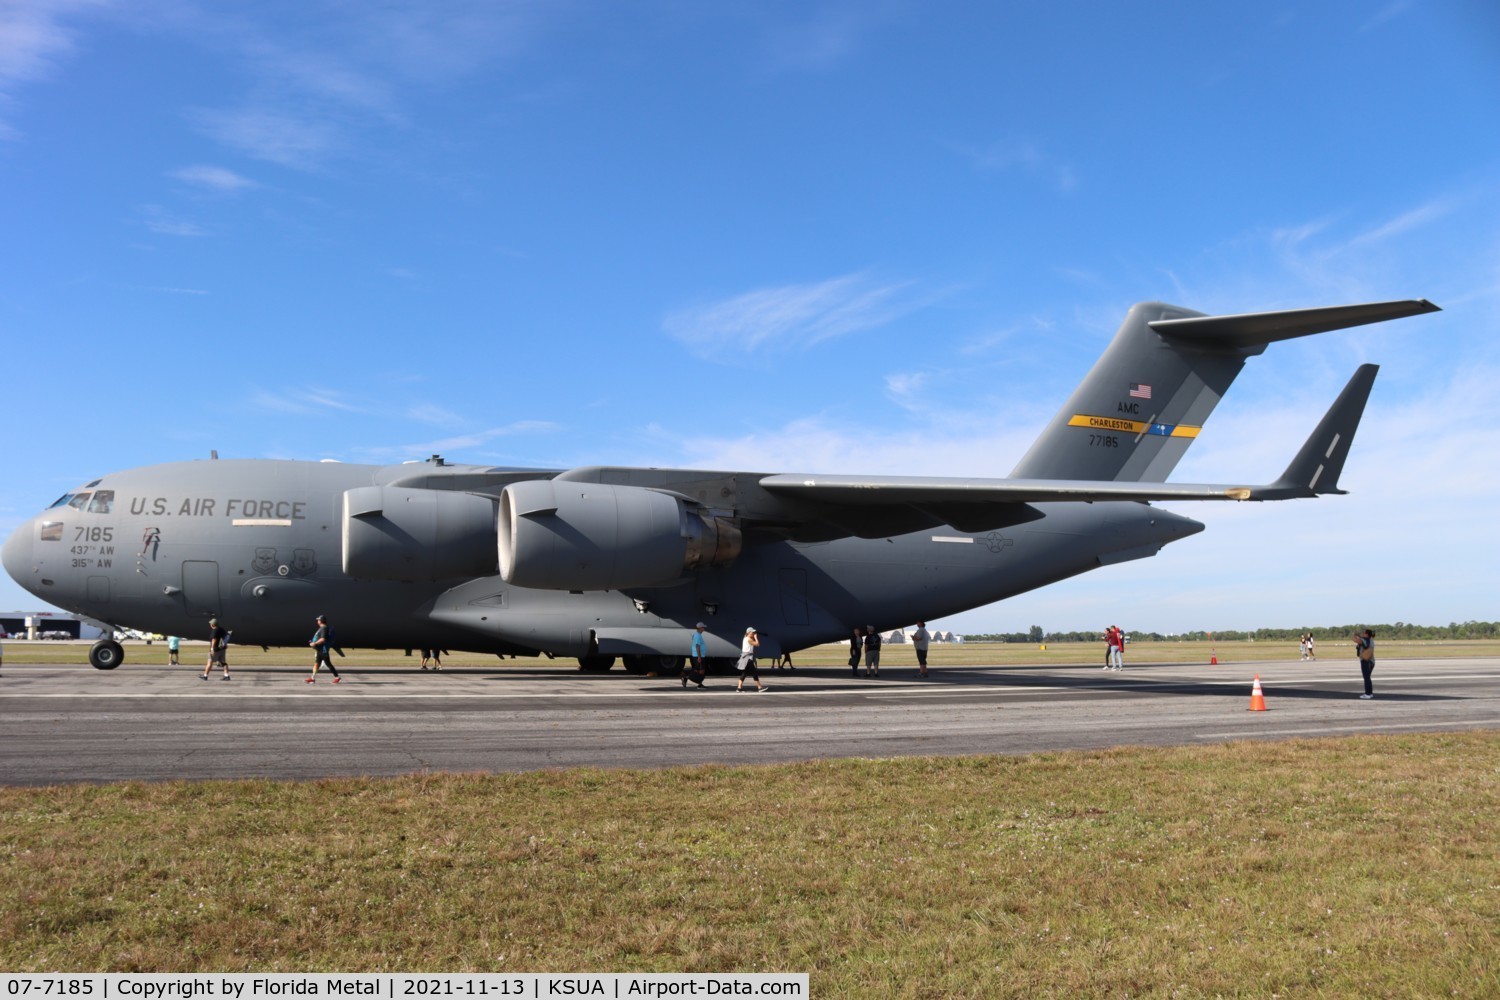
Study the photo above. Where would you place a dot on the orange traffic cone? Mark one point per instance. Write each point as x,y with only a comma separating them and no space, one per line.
1257,700
1213,658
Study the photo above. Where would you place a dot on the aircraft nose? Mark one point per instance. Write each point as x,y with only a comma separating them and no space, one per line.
16,554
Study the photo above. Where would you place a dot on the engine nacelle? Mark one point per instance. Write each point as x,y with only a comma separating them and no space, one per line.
391,533
563,535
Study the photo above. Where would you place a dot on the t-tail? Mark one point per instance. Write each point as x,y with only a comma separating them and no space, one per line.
1145,400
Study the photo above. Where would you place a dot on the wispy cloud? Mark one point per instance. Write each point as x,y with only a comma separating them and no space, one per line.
820,445
324,81
296,141
474,440
1385,14
828,36
788,316
164,223
429,413
214,178
34,37
907,389
176,291
1401,224
1340,255
1025,156
303,401
322,77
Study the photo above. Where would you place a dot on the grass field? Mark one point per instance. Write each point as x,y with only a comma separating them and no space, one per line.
964,654
1351,867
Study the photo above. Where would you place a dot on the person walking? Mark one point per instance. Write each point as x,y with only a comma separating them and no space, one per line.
218,649
1312,652
919,640
856,644
697,665
872,652
322,644
746,664
426,658
1364,648
174,646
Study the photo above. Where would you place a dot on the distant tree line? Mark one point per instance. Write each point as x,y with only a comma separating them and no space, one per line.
1400,630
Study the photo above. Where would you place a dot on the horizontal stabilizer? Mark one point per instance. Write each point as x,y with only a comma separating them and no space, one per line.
1315,471
1248,330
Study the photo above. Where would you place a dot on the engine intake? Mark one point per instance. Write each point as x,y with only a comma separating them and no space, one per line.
391,533
559,535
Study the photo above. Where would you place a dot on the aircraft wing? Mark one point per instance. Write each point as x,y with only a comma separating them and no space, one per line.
1314,471
936,489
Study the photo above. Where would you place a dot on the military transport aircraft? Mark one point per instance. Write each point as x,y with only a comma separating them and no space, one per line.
603,562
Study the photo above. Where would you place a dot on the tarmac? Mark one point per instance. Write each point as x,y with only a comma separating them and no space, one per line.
62,724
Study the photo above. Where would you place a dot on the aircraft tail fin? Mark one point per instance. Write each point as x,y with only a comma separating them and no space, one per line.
1147,397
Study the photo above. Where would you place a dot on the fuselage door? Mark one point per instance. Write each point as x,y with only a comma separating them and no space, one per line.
200,587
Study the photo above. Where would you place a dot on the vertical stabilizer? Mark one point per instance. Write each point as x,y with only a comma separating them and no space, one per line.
1138,409
1145,400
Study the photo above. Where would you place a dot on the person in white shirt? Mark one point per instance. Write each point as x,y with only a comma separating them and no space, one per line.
746,664
919,640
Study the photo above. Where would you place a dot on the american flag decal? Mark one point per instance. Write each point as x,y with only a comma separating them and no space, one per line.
1140,390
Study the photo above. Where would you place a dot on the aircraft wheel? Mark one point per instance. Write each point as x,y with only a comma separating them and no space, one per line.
653,663
596,663
106,654
721,664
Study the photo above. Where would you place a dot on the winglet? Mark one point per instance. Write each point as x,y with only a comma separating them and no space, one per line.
1315,471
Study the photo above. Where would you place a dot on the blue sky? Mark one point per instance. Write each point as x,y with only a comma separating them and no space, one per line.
819,237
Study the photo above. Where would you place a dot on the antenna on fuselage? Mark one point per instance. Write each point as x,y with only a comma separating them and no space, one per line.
213,453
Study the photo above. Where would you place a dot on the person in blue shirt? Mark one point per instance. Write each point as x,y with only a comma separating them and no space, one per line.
697,665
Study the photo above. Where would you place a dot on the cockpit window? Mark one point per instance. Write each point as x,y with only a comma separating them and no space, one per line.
61,500
103,502
79,500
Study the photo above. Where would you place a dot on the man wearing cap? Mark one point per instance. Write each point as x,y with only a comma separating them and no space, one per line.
697,667
218,649
746,665
322,644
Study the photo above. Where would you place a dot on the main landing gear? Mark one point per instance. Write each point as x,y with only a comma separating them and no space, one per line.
106,654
